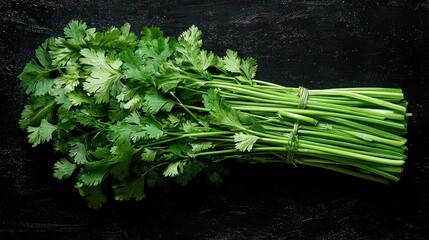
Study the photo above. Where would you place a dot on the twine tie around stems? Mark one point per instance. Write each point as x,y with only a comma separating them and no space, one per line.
293,144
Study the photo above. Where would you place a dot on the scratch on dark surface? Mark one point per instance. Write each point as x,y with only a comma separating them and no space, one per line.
312,219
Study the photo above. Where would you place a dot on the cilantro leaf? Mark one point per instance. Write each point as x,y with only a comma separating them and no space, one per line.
40,134
244,142
214,177
112,38
148,155
91,175
134,65
132,189
35,77
130,98
38,108
190,171
168,77
42,54
78,98
152,178
201,146
122,132
190,56
173,169
78,152
191,37
234,64
70,79
220,111
153,131
179,149
75,32
214,171
94,195
155,101
63,169
63,52
105,76
249,68
154,47
122,156
95,198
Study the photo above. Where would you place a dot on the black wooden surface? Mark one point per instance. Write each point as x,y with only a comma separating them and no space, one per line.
316,44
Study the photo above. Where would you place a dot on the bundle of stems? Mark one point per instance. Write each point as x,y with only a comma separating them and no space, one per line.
356,131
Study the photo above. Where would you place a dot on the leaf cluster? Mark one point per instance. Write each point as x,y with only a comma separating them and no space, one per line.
117,106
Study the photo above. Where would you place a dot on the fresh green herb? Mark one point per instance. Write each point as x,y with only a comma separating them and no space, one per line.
128,113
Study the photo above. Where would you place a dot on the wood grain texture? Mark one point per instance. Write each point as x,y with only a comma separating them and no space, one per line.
316,44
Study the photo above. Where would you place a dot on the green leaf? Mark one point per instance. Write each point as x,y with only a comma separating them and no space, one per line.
173,120
192,37
122,155
180,149
168,77
78,152
115,112
78,98
70,79
62,100
127,39
94,195
95,198
105,76
201,146
205,60
41,134
148,155
220,111
63,169
38,108
134,66
154,47
112,39
101,153
173,169
234,64
155,101
75,32
92,176
214,171
214,177
35,79
191,127
132,189
42,54
191,170
134,118
244,142
153,131
152,178
168,84
190,56
131,98
62,52
249,68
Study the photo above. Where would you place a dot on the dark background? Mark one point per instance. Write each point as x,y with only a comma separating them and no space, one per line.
316,44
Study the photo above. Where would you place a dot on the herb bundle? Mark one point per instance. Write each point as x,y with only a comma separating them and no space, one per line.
128,113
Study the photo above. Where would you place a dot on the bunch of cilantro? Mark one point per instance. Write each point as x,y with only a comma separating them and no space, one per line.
128,113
